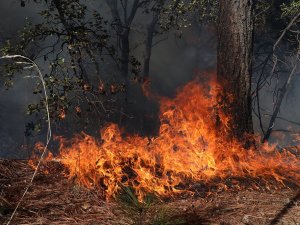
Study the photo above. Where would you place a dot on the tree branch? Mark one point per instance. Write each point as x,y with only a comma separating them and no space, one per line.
32,64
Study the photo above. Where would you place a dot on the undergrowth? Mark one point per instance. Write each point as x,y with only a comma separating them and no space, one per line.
129,200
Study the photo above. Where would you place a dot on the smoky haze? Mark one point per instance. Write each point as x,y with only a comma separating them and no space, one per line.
174,62
13,102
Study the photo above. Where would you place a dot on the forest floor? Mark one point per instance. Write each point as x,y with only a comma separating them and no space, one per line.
53,199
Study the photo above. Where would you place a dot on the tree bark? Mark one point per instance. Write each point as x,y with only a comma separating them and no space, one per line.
148,46
123,31
124,38
235,37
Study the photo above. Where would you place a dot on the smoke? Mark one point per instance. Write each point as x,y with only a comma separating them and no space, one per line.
286,126
13,102
177,60
174,62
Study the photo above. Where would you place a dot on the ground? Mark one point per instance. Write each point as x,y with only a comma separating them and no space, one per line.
53,199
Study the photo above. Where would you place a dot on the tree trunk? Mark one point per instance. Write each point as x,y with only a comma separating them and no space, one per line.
148,46
282,93
235,27
125,56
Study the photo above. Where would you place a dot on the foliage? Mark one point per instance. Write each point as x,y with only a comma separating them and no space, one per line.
129,200
83,53
128,197
207,10
290,9
82,49
203,11
68,37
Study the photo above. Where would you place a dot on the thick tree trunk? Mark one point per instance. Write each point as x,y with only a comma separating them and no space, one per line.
234,66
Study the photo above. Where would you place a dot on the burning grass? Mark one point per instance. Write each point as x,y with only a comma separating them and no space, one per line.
191,159
54,199
189,149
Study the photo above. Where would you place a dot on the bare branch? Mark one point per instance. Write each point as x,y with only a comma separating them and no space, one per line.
275,58
48,137
278,103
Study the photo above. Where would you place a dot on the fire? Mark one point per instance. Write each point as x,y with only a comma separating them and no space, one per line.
188,149
62,114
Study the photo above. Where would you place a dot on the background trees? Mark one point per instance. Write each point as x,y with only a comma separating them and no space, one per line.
82,43
98,54
276,59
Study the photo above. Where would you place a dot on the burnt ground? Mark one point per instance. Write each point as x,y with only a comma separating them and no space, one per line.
53,199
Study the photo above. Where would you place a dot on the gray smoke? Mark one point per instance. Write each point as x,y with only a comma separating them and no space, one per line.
174,62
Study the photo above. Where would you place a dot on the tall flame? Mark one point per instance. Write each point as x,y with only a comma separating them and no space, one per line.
189,148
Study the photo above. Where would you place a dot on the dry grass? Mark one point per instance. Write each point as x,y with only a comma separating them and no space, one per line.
55,200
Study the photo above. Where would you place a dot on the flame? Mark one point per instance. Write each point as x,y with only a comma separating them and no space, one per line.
62,114
101,87
188,149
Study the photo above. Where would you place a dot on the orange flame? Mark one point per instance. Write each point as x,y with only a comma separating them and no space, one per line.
62,114
188,149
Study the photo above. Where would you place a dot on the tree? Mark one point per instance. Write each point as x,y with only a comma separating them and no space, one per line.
72,40
90,55
234,64
123,29
293,11
84,46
